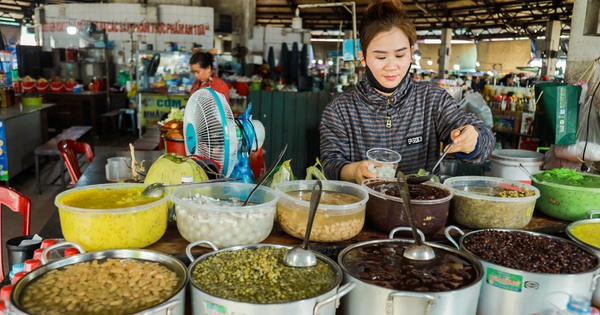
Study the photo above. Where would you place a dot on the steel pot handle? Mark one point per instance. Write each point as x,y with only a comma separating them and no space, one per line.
343,290
595,280
405,229
593,213
450,238
188,249
168,308
430,300
46,250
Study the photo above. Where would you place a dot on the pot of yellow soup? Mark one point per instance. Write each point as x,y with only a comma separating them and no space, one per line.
111,216
587,233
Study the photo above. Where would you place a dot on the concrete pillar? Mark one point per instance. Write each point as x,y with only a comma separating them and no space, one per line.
551,48
444,53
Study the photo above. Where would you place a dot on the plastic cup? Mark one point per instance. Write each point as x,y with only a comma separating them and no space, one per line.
116,169
18,253
383,162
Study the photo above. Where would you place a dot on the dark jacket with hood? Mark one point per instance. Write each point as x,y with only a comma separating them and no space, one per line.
413,121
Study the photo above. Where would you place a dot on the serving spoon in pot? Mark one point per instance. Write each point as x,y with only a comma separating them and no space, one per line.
302,256
416,250
417,179
266,175
157,189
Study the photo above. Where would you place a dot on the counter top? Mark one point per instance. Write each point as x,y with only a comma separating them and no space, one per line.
174,244
19,110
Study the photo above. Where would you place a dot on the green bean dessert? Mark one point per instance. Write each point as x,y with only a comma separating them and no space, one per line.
259,276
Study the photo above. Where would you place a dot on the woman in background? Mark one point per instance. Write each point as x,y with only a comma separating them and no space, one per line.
201,65
388,109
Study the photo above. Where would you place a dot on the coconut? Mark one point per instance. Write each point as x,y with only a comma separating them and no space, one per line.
170,167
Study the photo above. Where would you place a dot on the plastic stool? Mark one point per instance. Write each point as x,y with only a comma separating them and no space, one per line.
131,113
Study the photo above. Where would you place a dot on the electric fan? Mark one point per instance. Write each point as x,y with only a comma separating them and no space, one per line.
209,129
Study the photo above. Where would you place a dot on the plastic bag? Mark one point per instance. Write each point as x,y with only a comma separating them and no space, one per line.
589,111
282,173
315,171
474,103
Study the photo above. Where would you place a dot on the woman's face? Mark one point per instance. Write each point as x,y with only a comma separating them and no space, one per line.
389,56
201,74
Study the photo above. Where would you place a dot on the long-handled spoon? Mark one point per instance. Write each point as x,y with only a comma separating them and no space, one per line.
265,175
423,178
302,256
157,189
416,250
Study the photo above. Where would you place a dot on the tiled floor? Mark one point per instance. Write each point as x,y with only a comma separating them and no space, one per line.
42,205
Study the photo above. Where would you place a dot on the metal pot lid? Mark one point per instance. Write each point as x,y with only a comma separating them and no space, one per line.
517,155
381,263
591,233
337,272
529,251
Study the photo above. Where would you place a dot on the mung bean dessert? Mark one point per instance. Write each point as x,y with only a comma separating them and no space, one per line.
259,276
112,286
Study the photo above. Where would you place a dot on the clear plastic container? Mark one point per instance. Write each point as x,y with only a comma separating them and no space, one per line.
213,212
333,222
383,162
476,203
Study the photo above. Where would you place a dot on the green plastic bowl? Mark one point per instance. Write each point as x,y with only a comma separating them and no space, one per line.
565,202
32,100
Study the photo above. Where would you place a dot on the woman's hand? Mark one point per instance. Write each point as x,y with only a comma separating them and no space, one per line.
356,172
464,142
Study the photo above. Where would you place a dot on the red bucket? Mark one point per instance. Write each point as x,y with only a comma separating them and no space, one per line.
28,86
241,88
175,146
56,87
42,87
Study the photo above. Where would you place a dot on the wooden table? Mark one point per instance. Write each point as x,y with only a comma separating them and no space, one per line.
173,244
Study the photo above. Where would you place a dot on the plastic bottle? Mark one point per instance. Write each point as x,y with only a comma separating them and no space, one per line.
577,305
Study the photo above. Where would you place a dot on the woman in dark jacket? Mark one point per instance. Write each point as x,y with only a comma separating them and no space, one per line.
388,109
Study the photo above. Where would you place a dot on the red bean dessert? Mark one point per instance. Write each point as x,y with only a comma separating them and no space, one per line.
529,252
384,265
417,192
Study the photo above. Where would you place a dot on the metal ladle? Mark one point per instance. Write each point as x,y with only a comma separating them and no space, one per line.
416,250
423,178
157,189
265,175
302,256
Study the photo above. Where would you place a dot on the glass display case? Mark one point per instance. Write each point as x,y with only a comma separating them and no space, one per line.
163,81
164,71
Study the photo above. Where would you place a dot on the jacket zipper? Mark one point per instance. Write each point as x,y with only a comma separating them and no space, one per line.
388,123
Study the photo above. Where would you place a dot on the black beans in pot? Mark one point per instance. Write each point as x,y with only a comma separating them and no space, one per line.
529,252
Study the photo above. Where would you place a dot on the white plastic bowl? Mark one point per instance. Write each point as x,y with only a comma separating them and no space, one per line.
224,224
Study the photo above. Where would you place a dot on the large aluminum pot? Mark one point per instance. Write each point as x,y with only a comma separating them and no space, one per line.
175,304
371,299
512,291
592,224
324,304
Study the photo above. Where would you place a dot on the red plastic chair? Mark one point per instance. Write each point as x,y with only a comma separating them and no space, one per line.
16,202
69,149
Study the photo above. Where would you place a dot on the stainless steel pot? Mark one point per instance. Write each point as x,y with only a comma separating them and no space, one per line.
512,291
595,249
324,304
370,299
175,304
